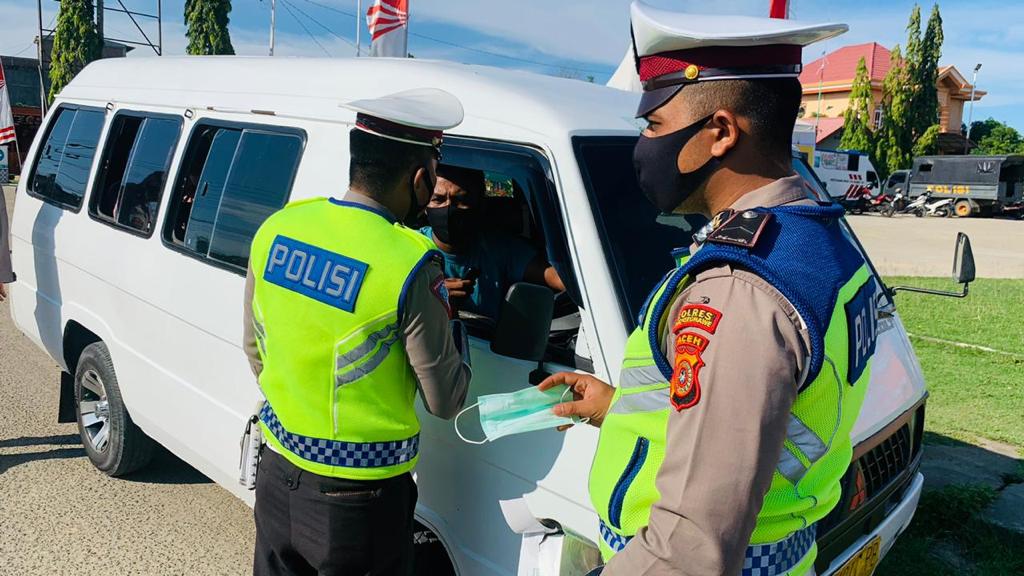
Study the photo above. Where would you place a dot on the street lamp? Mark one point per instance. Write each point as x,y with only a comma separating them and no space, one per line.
970,117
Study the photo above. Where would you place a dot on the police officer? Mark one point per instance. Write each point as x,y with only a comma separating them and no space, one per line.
724,443
6,272
347,317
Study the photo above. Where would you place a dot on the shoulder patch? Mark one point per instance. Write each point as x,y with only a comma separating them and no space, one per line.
325,276
685,385
440,291
741,229
699,316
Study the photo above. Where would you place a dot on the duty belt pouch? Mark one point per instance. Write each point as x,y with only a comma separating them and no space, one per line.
252,441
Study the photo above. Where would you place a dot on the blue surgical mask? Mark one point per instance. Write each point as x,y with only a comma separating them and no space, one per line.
525,410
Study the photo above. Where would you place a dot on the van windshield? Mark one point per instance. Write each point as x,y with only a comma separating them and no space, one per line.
638,241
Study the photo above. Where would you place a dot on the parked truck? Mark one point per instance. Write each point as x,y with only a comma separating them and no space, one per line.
978,185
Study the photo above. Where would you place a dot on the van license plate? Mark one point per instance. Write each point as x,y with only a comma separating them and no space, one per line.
864,561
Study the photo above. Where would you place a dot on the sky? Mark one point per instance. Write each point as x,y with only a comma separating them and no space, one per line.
577,38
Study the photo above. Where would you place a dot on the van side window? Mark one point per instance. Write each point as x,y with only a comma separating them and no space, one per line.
231,179
65,157
133,170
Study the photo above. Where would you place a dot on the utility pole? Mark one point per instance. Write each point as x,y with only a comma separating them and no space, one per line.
359,27
42,80
273,17
970,117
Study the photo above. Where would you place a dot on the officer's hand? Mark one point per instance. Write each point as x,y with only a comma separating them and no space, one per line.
3,292
459,288
592,396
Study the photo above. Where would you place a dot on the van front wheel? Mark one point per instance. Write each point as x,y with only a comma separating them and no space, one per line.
114,444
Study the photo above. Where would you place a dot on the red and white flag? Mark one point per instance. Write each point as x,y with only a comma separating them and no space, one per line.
778,9
388,21
6,118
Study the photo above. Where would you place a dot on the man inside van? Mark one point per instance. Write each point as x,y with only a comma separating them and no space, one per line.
729,433
480,265
347,318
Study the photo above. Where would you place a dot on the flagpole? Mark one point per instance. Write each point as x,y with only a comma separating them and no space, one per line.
408,11
273,15
359,28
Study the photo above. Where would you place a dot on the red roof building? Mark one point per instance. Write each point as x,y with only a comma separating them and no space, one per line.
827,83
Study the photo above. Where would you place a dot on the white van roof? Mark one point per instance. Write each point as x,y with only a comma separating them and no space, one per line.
315,87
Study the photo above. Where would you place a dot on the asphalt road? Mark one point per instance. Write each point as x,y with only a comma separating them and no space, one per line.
59,515
911,246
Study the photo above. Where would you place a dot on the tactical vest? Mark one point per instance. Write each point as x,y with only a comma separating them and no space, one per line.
803,253
330,285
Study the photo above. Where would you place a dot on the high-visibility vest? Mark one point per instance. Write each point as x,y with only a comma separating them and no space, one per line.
805,255
330,282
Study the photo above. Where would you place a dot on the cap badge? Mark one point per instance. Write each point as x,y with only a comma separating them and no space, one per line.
691,72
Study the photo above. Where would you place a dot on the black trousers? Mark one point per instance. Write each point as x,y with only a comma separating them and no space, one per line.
308,524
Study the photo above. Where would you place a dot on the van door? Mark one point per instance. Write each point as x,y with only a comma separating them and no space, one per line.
47,221
461,484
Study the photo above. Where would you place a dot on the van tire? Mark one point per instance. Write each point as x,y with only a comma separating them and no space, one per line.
112,441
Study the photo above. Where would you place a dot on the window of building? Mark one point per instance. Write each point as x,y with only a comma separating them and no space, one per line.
62,170
134,169
878,118
232,178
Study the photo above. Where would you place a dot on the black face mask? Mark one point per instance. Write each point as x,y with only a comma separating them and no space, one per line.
415,208
454,226
656,161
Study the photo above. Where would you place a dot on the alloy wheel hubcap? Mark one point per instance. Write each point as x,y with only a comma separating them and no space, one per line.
94,411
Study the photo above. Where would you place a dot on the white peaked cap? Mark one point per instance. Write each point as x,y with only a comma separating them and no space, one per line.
656,30
426,108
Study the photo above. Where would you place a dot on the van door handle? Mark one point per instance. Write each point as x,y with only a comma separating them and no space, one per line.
206,186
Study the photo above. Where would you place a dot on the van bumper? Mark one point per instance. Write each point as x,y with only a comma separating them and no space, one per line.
894,524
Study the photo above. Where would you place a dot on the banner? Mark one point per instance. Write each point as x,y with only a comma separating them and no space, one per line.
6,118
388,21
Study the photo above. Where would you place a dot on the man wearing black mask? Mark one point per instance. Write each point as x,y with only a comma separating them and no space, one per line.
479,265
729,432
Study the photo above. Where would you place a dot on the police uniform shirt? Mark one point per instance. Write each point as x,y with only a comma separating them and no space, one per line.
721,452
442,377
6,273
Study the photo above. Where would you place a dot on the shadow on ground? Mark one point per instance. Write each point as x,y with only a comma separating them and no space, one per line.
165,468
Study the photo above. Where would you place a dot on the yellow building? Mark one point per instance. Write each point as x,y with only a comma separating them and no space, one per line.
827,83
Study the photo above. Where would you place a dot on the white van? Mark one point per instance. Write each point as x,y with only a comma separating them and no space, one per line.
846,173
131,235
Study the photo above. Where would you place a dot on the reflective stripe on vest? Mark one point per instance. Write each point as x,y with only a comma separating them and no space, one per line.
807,442
348,366
774,559
338,453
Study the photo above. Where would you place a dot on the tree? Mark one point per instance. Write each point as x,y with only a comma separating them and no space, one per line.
207,27
857,118
981,128
75,43
928,143
893,139
925,76
1002,139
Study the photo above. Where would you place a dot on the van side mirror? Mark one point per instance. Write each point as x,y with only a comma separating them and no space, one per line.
963,260
963,270
524,323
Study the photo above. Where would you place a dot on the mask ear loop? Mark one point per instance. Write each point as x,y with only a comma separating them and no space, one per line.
575,419
459,433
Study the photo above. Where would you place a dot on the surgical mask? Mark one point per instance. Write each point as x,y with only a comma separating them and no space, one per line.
656,161
525,410
454,226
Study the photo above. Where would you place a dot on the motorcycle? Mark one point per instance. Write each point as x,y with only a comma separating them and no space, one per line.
919,207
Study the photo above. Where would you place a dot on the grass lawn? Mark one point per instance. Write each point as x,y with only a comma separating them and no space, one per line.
974,394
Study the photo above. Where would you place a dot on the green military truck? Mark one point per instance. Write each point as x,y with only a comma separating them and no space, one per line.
978,185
